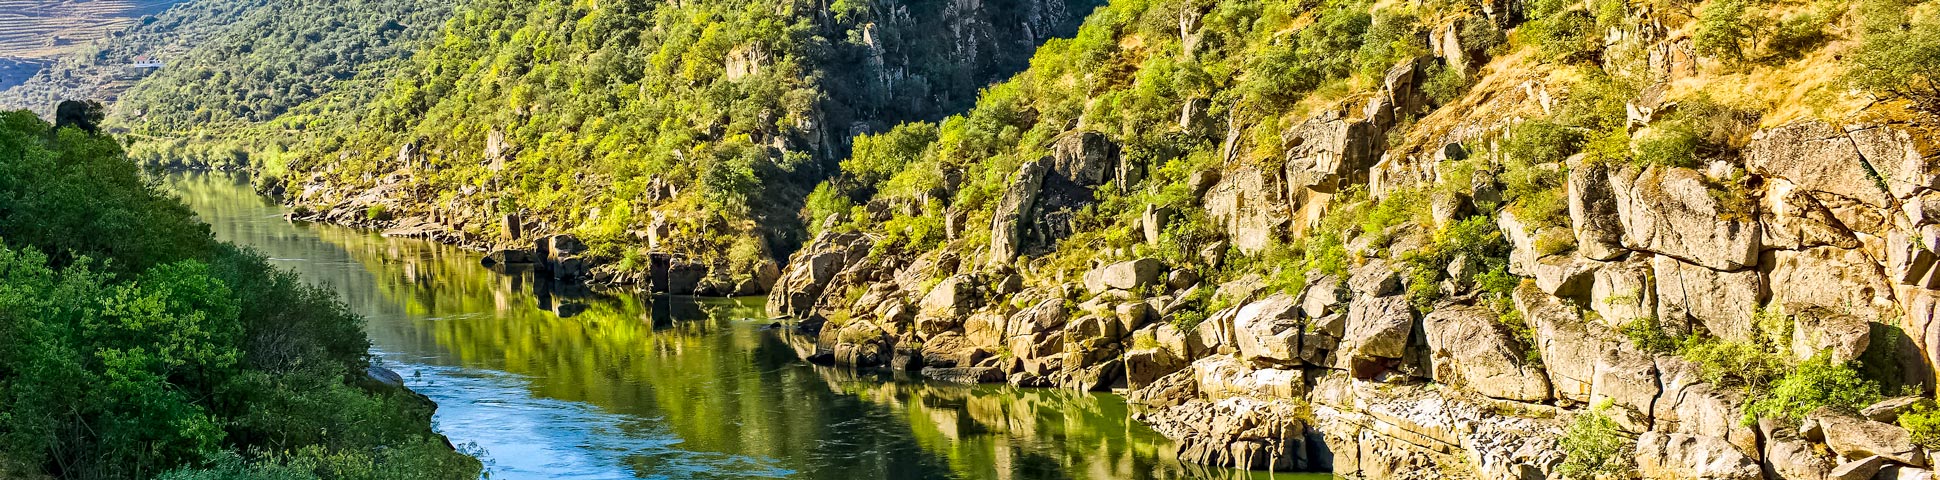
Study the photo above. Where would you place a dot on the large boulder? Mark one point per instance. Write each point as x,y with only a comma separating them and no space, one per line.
1855,437
1248,204
1568,345
1674,212
1132,274
1819,329
1329,151
1678,456
1622,291
1468,347
1818,157
1223,376
944,307
1086,158
1269,330
1793,219
1378,327
1834,278
1903,157
1690,405
1691,296
1007,223
1593,211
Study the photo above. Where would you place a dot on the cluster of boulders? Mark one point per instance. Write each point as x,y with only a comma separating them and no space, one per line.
1830,229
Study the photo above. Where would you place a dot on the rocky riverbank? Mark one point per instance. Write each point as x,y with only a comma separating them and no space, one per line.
1827,228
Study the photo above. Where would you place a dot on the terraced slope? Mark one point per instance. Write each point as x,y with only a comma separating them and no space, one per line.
42,30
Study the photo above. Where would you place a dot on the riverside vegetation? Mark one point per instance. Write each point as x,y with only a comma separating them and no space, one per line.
137,346
1611,238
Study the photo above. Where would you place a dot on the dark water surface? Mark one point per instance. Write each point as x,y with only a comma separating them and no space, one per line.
542,384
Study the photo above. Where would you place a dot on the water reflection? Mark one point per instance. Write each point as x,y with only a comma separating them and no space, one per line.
554,382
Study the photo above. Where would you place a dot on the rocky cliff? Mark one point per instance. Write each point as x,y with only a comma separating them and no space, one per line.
1401,283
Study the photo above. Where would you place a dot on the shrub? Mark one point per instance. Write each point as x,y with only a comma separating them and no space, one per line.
1721,26
1595,447
1570,36
1646,333
1901,63
1923,421
1816,382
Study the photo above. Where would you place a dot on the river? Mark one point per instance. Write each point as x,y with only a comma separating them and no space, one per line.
543,384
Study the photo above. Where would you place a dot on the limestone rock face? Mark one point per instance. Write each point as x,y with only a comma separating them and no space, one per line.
1693,296
1469,348
1817,157
1593,212
1246,203
811,270
1680,456
1672,212
1007,224
1855,437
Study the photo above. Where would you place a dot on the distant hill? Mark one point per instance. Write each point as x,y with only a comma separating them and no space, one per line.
35,32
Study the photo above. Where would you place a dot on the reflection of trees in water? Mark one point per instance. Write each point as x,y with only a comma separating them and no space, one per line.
694,369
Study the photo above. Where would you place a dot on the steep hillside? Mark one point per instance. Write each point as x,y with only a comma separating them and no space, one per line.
1442,239
691,129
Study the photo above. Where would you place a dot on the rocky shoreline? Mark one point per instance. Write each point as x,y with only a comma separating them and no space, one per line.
1835,230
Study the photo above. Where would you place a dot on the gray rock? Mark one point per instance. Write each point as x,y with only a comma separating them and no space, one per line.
1133,274
1854,437
1469,348
1815,156
1833,278
1374,279
1818,329
1793,219
1569,347
1861,469
1696,457
1245,203
1269,330
1720,302
1378,327
1889,410
1086,158
1593,211
1017,204
1672,211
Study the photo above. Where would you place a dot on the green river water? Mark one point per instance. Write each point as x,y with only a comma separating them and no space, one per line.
544,384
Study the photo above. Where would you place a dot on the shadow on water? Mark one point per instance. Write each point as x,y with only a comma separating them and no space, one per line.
551,381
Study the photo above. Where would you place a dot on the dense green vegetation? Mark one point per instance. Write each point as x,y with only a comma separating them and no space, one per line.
133,344
585,116
259,85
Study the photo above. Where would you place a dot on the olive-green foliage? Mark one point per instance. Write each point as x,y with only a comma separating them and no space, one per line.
1647,334
1816,382
123,361
1475,241
1900,60
71,190
1721,30
1568,36
1532,155
1923,421
1595,447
